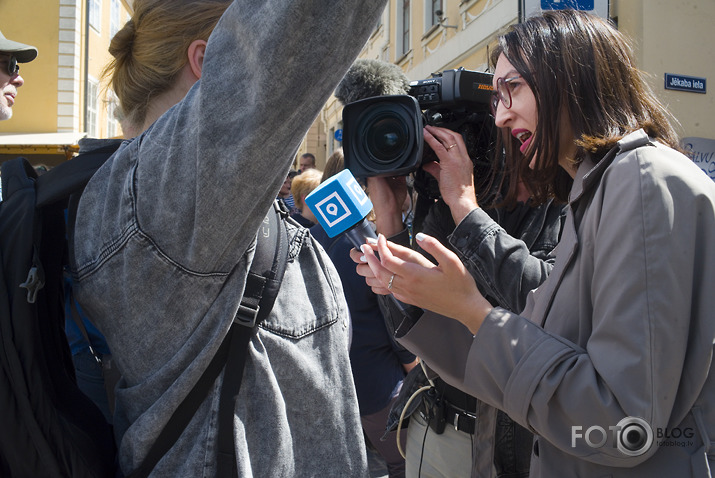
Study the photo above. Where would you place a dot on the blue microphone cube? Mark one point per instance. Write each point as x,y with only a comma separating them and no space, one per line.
339,203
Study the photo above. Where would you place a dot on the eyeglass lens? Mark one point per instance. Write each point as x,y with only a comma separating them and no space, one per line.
12,67
501,94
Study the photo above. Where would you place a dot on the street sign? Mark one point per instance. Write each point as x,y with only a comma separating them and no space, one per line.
563,4
339,134
692,84
535,7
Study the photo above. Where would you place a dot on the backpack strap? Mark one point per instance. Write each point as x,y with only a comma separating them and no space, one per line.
262,285
264,281
73,175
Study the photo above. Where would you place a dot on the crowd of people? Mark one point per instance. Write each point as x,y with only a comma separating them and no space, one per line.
561,288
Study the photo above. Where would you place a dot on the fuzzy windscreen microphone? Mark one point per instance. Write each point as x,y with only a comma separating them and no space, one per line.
367,78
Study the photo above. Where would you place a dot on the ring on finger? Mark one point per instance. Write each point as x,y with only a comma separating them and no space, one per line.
451,146
389,284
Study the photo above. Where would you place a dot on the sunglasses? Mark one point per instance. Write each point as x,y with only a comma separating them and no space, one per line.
12,67
502,93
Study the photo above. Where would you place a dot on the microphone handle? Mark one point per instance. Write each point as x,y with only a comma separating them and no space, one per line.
357,235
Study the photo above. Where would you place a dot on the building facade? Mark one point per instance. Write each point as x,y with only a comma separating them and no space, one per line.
63,98
429,36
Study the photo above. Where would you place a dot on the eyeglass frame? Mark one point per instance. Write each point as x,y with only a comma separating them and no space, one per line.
498,94
13,68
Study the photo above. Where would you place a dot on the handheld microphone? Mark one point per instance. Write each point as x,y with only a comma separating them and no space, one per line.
340,206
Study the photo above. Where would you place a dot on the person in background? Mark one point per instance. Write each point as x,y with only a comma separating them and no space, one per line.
11,54
166,231
303,184
620,336
306,162
285,196
379,365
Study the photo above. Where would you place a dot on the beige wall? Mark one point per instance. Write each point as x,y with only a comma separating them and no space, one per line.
678,38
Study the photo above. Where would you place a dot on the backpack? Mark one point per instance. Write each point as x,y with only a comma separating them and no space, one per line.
49,427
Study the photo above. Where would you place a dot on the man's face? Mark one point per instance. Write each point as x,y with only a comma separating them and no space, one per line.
9,83
306,163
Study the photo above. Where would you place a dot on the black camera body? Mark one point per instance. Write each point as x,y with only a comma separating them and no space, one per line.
382,135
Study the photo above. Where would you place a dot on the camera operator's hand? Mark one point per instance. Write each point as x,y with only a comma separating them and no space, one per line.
446,288
454,172
388,194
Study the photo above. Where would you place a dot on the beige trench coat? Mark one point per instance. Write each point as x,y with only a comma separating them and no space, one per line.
620,335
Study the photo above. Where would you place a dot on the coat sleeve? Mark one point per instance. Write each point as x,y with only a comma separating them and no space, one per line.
502,265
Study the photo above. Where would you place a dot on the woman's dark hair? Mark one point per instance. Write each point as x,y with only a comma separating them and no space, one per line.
578,65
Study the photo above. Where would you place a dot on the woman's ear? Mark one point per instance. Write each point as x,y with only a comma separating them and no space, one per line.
196,57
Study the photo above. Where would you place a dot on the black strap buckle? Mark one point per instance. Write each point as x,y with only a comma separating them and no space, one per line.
247,314
469,423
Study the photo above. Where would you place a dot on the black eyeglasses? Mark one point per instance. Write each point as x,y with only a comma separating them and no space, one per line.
502,93
12,67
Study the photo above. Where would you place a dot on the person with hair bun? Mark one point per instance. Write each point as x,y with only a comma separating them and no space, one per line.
610,363
214,102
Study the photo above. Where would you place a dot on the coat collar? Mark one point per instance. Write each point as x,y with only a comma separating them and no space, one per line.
588,176
589,171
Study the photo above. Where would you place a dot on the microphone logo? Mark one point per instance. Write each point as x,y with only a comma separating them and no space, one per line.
339,203
332,209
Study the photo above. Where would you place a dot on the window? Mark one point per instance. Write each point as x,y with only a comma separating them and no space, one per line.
431,9
95,14
91,126
114,18
112,129
431,15
403,28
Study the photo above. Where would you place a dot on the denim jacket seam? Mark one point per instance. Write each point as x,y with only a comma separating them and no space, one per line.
114,247
106,252
308,332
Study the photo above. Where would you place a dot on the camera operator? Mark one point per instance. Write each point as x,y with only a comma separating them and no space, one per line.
477,440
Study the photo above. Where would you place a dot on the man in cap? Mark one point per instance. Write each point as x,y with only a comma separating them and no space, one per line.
12,53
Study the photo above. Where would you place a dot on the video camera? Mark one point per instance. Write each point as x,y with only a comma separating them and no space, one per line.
382,135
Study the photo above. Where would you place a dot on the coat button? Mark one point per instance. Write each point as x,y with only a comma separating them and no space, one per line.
536,448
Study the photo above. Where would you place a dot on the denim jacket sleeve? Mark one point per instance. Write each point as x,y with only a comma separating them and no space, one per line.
507,268
212,165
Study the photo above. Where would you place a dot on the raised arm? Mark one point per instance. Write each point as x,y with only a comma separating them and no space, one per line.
211,166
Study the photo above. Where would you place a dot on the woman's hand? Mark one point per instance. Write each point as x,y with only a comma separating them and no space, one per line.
454,172
388,195
446,288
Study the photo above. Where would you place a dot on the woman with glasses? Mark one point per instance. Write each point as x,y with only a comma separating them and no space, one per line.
610,362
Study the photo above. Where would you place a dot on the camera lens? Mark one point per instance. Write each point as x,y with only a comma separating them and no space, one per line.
383,136
386,138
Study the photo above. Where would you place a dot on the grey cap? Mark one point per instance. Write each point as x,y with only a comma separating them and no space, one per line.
22,52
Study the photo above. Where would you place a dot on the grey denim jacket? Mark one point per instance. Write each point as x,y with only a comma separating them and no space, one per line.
166,231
